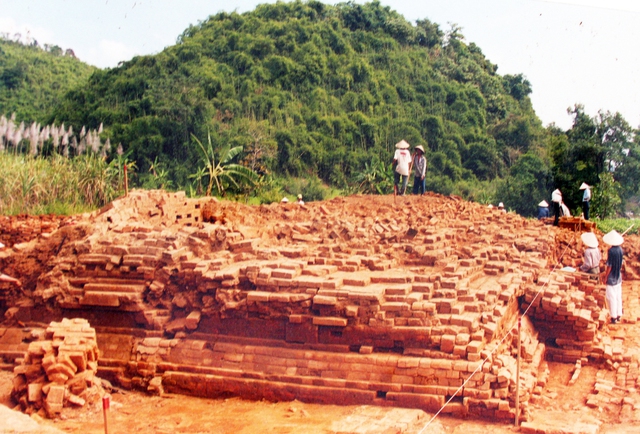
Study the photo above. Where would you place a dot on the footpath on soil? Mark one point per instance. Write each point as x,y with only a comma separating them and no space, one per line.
400,302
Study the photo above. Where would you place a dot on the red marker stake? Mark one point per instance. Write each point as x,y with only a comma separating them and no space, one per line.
106,402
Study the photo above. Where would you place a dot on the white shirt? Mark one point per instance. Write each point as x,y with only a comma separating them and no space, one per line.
403,158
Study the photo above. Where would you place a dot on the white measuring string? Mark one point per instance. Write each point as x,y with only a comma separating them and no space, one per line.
499,343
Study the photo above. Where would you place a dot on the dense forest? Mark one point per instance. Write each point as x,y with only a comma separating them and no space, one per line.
34,79
304,95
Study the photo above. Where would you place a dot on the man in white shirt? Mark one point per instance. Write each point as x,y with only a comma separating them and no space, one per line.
402,166
586,199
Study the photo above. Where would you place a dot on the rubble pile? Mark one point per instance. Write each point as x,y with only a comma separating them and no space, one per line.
59,370
408,301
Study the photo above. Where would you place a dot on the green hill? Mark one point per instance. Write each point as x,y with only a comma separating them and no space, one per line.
34,80
311,90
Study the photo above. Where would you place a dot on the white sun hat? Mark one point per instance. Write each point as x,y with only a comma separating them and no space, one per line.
543,203
613,238
584,186
402,145
589,239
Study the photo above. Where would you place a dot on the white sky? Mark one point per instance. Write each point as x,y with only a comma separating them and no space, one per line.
572,51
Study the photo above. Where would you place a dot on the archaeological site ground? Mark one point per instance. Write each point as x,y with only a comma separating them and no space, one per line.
361,314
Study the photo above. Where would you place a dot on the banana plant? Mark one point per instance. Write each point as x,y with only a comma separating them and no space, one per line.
220,168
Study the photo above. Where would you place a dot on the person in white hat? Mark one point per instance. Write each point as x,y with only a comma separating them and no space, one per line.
613,274
543,210
556,198
592,255
300,201
419,163
586,199
402,167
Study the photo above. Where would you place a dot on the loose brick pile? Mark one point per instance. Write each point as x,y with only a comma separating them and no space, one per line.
59,370
407,302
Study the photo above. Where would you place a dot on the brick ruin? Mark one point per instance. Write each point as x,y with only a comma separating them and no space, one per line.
408,301
59,369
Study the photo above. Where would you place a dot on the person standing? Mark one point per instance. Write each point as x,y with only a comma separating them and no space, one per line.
592,255
586,199
613,275
402,167
419,163
556,198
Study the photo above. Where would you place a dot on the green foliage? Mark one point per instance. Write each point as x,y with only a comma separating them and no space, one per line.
33,81
320,93
311,189
38,185
309,90
620,225
601,151
526,185
376,178
605,200
219,167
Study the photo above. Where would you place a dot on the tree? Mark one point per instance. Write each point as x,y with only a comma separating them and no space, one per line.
526,185
606,200
220,168
517,86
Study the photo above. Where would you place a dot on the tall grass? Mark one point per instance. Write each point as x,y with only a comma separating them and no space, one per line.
55,184
619,225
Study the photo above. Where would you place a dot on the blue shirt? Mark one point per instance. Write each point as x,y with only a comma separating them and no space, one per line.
543,212
614,260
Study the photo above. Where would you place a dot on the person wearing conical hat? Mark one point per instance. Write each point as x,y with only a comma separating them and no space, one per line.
586,199
592,255
543,210
613,275
419,163
402,167
556,198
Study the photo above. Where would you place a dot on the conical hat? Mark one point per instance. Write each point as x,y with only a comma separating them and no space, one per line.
584,186
589,239
613,238
543,203
421,148
402,145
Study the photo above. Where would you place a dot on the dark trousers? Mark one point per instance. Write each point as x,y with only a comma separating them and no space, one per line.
556,213
418,185
585,209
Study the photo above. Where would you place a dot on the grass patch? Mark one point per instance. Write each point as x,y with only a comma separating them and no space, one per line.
619,225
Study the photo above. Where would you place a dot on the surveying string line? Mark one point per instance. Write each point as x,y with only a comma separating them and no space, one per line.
498,345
